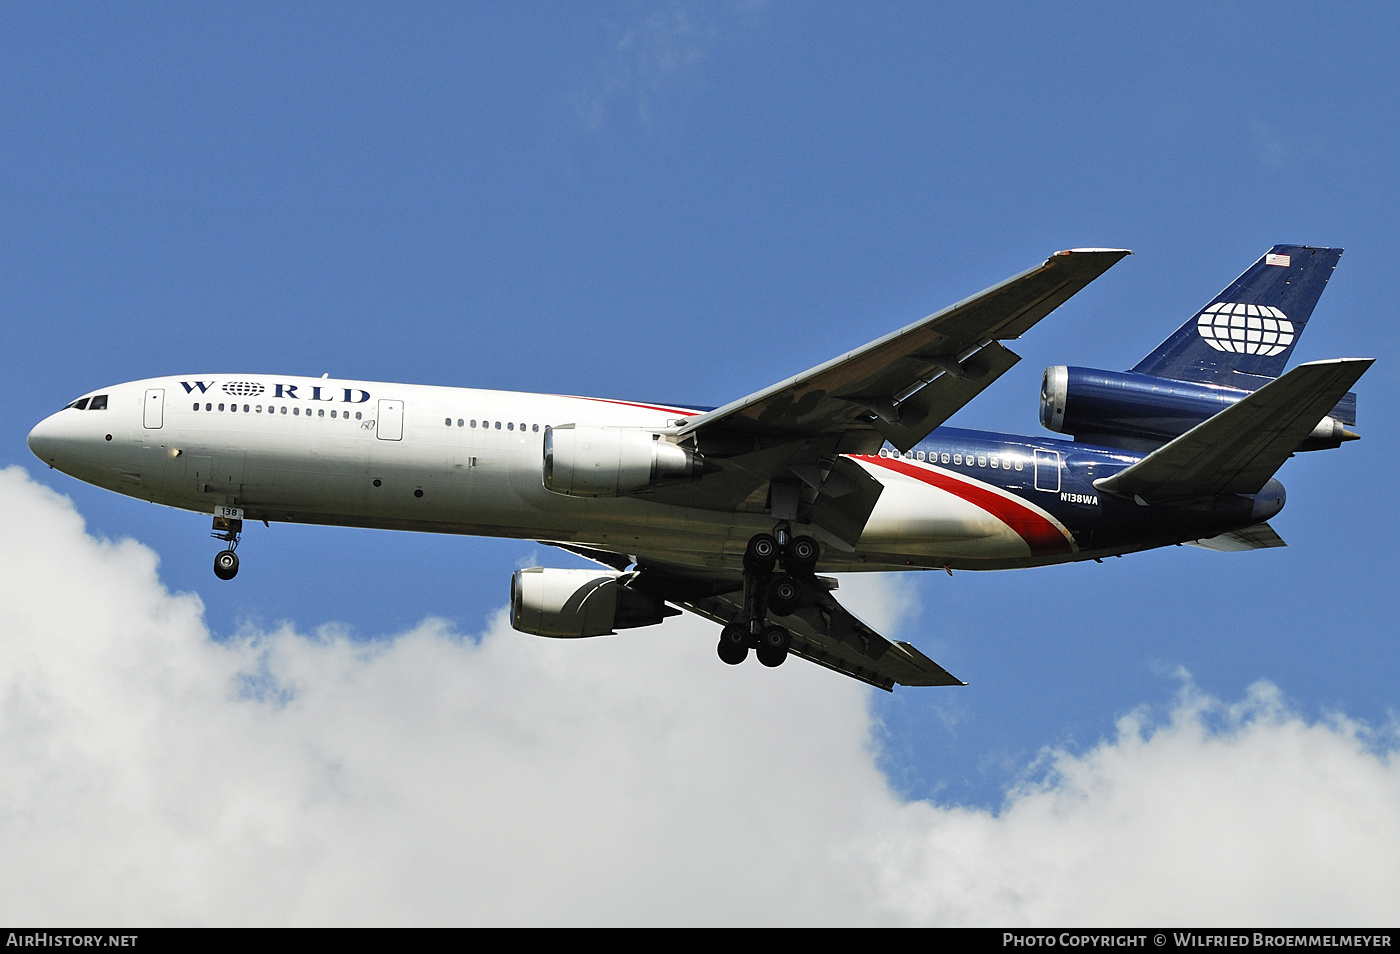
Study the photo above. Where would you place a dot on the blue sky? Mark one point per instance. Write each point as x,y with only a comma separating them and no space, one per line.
683,203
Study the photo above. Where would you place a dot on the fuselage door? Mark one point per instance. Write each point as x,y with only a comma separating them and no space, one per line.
1047,471
390,423
153,408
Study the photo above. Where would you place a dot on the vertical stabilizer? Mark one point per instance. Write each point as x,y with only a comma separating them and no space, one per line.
1245,335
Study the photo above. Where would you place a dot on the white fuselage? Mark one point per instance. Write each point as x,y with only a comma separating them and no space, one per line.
451,460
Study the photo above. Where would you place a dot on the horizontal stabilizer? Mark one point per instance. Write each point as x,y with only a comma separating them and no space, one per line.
1239,449
1261,536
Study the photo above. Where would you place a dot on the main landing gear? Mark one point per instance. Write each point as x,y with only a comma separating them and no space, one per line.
768,592
226,562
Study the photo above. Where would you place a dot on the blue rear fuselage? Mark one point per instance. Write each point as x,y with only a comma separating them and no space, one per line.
1058,476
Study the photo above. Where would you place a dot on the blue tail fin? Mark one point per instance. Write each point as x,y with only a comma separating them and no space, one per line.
1245,335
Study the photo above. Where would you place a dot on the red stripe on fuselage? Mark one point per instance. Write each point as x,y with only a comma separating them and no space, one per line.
1041,535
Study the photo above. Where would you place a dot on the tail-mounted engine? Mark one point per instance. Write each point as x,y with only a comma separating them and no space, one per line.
1141,411
584,461
573,603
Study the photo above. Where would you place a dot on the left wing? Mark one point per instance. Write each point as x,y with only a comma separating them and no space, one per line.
780,450
900,387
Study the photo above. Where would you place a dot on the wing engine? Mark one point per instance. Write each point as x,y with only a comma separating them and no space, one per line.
583,461
572,603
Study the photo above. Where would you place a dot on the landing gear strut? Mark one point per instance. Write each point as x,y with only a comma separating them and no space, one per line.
764,593
226,562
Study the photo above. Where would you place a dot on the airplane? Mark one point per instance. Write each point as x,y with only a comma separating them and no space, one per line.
740,513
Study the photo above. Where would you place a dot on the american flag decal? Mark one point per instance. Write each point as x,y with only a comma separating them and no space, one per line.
1272,259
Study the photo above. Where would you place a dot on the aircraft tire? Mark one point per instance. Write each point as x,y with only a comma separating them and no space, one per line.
733,644
773,646
775,637
783,595
802,554
226,565
761,553
771,657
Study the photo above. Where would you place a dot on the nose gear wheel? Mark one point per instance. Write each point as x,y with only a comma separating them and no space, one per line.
226,565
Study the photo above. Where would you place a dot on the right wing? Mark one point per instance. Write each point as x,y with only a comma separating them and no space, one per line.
823,631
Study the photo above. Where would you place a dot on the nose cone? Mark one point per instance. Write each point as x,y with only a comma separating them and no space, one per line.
69,439
45,442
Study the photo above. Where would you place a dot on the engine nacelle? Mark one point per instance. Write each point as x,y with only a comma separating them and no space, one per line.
573,603
586,461
1121,408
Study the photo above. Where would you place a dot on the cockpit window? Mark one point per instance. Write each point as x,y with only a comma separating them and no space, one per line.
80,404
99,403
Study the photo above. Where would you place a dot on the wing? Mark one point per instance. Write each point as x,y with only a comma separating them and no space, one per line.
780,450
900,387
823,631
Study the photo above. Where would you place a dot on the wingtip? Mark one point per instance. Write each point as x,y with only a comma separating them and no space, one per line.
1080,251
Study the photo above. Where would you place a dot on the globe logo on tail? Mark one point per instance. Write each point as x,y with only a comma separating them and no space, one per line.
1245,329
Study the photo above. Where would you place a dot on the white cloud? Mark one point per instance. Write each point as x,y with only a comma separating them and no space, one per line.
655,52
151,776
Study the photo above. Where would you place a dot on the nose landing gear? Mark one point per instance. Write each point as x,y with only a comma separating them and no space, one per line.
227,529
765,592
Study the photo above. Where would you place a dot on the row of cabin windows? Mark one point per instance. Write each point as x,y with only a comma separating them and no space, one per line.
980,460
296,411
98,403
509,425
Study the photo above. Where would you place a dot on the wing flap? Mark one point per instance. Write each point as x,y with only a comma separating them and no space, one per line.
1239,449
933,402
